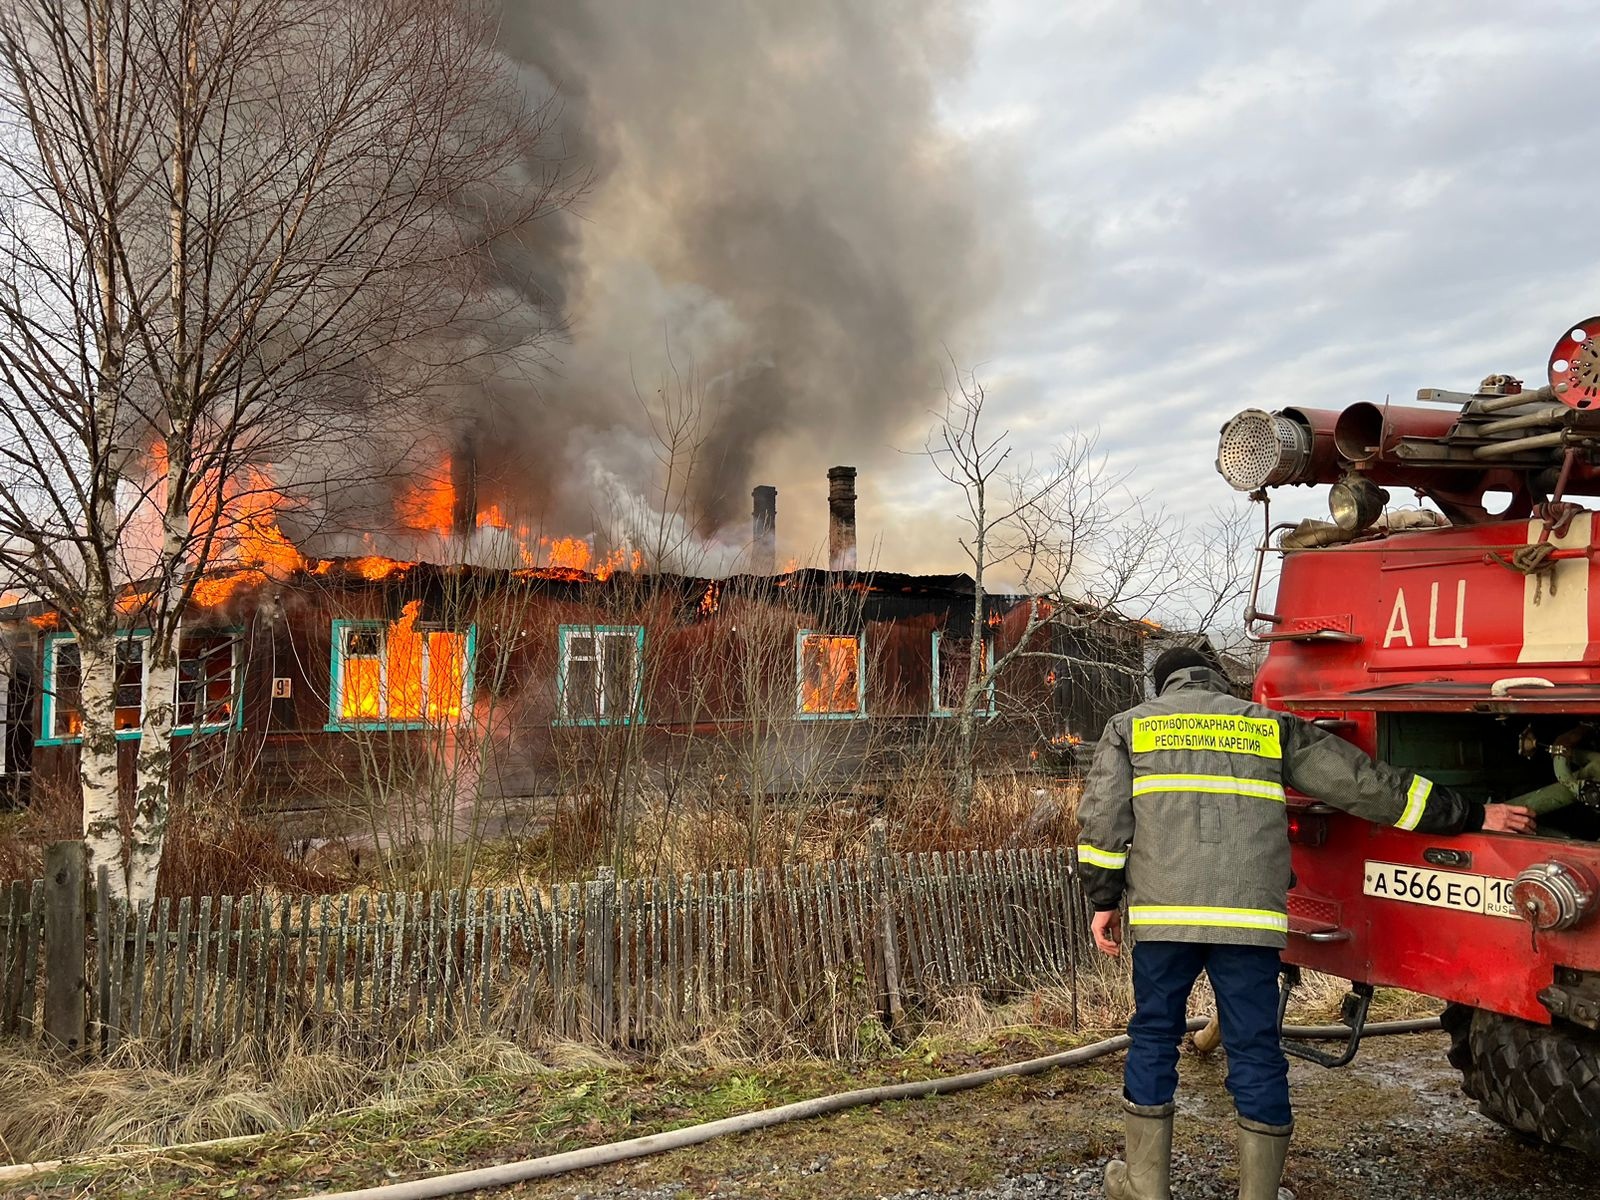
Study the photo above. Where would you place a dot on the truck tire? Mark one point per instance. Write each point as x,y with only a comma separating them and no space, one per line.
1538,1080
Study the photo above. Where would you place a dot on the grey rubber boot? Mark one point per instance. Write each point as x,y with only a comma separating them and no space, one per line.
1147,1173
1262,1149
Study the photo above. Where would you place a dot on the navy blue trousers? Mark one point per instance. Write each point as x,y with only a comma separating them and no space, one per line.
1245,980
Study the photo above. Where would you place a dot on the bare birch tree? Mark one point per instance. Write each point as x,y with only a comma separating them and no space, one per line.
233,233
1075,539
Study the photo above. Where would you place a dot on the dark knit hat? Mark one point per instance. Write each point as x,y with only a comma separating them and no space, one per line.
1179,658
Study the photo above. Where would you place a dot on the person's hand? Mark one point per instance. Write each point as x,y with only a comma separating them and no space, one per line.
1107,929
1508,818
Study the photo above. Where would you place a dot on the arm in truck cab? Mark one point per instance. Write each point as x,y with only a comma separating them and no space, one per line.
1324,765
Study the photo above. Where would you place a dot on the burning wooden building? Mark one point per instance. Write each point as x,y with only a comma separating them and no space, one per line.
325,687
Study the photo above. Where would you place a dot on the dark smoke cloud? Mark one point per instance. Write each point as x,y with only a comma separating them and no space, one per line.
776,209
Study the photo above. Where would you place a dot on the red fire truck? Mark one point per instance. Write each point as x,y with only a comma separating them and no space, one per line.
1460,638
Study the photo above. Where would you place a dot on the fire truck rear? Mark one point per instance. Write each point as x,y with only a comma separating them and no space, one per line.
1461,639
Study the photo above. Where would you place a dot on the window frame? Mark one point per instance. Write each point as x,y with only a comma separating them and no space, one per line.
235,722
564,636
860,713
47,698
937,706
339,723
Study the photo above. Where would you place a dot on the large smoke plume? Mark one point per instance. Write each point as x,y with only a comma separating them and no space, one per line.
777,223
778,234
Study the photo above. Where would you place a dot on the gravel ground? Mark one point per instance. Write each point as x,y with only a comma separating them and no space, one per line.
1394,1126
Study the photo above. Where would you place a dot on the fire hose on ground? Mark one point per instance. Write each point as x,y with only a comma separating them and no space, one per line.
547,1166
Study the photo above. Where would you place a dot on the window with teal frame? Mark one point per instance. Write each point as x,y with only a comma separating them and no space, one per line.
600,675
208,688
952,666
406,675
830,676
61,706
205,693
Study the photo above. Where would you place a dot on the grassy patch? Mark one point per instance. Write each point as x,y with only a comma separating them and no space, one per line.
489,1102
320,1120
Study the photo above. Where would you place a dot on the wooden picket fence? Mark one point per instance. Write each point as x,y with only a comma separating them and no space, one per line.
629,962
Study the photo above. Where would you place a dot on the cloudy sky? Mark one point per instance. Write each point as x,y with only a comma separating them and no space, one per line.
1263,203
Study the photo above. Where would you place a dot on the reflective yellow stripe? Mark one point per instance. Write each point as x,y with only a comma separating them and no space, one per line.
1210,918
1097,857
1416,802
1223,732
1231,785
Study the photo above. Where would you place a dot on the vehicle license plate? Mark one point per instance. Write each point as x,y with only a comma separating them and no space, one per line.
1440,889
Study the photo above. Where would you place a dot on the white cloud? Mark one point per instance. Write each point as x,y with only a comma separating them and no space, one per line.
1312,204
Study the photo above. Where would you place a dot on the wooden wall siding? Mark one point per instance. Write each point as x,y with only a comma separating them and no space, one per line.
720,677
627,962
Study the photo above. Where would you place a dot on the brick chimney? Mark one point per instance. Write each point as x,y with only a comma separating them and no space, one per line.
841,518
764,530
464,482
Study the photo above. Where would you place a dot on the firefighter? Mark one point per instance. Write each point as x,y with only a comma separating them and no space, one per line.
1184,810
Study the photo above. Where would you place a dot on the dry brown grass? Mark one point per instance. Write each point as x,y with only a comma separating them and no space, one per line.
213,846
57,1110
54,1109
708,832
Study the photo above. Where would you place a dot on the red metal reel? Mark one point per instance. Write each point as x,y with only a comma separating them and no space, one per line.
1575,366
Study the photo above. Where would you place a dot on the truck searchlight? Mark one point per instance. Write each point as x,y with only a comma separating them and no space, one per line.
1355,502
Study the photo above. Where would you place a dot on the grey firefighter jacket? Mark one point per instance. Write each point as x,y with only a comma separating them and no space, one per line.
1194,780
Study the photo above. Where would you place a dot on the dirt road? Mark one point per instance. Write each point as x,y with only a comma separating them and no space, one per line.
1392,1127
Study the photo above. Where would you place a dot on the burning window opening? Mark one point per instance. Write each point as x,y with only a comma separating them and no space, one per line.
208,682
205,692
63,695
953,671
403,673
832,676
601,676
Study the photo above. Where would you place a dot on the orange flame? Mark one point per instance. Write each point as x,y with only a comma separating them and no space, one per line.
374,566
493,518
712,600
261,542
574,554
250,527
425,673
428,505
620,560
210,593
830,675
